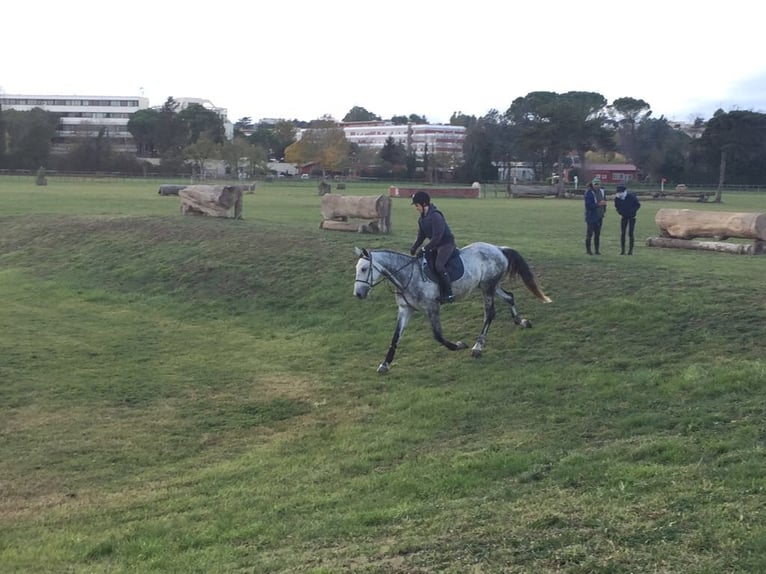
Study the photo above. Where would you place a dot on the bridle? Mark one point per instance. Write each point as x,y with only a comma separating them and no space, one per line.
385,275
368,281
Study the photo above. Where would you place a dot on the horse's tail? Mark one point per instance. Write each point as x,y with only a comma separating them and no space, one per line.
518,266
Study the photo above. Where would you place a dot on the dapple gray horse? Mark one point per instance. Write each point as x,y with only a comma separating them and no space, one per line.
485,266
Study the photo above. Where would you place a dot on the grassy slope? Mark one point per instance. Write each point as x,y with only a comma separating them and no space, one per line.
197,395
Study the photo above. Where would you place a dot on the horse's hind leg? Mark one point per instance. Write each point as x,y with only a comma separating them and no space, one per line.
507,296
489,315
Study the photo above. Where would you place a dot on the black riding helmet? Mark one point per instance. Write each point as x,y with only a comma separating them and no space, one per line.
421,198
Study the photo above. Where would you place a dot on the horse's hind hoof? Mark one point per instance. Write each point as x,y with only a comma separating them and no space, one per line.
476,353
383,368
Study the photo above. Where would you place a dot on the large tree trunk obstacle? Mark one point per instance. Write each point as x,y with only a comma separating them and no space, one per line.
337,210
212,200
678,227
688,224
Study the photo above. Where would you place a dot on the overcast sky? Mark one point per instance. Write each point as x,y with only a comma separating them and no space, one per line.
302,59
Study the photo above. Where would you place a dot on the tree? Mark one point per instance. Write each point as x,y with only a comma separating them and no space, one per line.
461,119
393,152
359,114
551,125
411,119
285,133
91,153
202,122
28,137
327,147
170,134
660,151
201,151
627,114
243,158
244,123
143,126
735,142
482,139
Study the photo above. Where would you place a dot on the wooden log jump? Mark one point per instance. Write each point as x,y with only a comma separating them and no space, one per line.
212,200
533,191
679,227
339,211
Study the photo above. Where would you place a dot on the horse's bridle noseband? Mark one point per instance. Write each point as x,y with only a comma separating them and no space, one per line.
368,281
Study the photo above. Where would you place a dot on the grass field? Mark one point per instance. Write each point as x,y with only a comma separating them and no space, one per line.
196,395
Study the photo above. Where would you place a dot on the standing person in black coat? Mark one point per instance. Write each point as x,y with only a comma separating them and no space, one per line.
432,225
595,209
627,205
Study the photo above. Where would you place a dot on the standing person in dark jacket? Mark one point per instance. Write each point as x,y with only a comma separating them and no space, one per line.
595,209
627,205
432,225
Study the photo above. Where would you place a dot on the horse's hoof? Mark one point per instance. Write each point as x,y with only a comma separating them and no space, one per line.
460,345
476,353
383,368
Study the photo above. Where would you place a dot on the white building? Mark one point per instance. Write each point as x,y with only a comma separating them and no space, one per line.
89,115
438,138
83,116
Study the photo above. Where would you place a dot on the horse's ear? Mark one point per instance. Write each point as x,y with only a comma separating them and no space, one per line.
361,252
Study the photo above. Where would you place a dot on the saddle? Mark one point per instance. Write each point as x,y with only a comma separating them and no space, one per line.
454,266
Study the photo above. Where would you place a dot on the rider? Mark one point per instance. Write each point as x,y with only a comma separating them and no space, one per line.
432,225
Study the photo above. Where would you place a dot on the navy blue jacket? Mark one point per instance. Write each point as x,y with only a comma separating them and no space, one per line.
594,213
433,226
627,207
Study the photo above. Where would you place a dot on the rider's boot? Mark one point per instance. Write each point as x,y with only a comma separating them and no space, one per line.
445,288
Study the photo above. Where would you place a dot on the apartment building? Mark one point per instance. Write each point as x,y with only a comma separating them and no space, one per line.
83,116
86,116
437,138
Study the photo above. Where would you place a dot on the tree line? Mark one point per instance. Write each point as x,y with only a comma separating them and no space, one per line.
548,130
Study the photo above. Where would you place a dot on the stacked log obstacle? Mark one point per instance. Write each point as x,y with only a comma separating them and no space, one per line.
407,192
532,191
212,200
679,228
173,189
340,211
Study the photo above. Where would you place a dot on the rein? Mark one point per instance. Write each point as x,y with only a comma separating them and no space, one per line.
390,275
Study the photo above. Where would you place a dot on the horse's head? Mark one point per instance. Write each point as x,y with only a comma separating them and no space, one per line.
366,274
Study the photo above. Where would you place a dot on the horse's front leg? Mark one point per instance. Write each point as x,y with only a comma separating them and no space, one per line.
489,315
507,296
402,319
436,328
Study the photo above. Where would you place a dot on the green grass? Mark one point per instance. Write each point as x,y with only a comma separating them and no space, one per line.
183,394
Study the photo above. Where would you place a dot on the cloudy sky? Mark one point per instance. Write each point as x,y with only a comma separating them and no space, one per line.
303,59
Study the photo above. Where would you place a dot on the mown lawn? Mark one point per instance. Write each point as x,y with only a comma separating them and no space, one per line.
183,394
